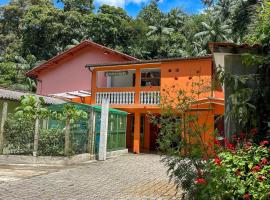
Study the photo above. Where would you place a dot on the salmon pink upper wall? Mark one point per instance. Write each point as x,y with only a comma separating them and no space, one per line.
70,74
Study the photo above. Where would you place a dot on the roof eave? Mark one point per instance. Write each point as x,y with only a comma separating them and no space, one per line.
89,66
213,45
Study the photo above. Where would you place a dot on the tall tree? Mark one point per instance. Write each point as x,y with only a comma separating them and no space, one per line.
111,27
151,14
215,31
82,6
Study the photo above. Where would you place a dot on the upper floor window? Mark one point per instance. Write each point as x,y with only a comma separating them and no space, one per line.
116,78
150,77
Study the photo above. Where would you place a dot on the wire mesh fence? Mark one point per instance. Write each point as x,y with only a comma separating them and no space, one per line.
19,134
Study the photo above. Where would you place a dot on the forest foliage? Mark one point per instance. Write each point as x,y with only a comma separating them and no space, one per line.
32,31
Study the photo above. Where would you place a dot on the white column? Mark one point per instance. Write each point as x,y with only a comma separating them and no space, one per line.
103,130
3,120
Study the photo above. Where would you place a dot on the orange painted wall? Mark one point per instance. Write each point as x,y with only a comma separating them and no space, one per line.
86,100
181,74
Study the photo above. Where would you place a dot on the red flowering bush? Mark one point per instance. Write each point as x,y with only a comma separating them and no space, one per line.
200,181
237,173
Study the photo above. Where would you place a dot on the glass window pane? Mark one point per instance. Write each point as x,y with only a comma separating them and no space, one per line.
116,79
150,77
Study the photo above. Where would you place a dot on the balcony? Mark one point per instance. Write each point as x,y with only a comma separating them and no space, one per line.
127,86
128,98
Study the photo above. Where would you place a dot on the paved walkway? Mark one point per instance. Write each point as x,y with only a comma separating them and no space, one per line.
126,177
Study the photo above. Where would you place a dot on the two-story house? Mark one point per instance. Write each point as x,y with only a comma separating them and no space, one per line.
130,84
136,87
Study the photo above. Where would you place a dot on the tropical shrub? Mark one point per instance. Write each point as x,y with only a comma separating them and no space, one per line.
209,170
181,137
19,135
237,173
51,142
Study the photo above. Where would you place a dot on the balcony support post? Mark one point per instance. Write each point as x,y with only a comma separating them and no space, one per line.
137,132
146,133
137,86
93,87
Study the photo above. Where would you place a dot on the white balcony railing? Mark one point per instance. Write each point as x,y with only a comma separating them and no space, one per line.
150,97
125,98
116,97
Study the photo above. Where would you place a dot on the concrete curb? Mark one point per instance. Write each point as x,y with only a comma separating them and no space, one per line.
81,159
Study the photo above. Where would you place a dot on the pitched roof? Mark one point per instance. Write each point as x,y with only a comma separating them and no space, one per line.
213,45
148,61
71,51
16,95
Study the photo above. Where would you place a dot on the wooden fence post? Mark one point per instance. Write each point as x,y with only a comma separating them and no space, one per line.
36,136
67,136
91,133
45,123
3,120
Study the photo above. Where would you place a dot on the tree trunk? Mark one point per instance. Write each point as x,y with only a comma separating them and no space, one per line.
67,136
3,120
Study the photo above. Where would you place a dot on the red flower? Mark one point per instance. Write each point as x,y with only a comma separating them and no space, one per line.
253,131
264,161
247,196
230,146
209,145
261,178
200,181
242,135
263,143
255,168
248,145
216,142
217,161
